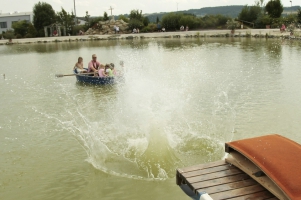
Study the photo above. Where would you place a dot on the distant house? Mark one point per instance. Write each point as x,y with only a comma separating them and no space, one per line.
7,19
81,21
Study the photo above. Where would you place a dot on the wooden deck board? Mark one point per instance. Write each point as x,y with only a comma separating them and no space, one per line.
208,170
221,181
258,196
226,187
201,166
225,173
238,192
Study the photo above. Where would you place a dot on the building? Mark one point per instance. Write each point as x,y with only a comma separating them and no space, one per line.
7,19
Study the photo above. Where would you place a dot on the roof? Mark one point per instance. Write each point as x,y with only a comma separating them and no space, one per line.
277,157
11,14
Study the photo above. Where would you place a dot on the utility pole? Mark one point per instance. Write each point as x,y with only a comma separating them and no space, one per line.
75,21
291,7
177,6
111,11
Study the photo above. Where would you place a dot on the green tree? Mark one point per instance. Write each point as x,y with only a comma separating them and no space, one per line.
87,19
124,18
32,32
250,13
135,23
171,21
43,15
137,20
145,21
21,27
105,16
299,15
135,14
189,20
66,20
274,8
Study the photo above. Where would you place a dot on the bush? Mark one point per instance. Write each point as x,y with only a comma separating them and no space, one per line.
28,35
125,19
232,24
134,23
9,35
171,21
18,36
146,29
190,21
153,27
76,29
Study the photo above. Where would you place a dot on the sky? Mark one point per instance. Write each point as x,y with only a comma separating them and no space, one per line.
98,7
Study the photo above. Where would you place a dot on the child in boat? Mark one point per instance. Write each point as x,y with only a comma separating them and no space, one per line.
113,69
108,70
79,67
101,71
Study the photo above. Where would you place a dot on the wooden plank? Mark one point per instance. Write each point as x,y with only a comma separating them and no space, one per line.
202,166
219,181
207,171
256,196
229,172
229,186
250,168
238,192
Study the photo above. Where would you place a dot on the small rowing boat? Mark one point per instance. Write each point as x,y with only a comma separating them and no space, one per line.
87,78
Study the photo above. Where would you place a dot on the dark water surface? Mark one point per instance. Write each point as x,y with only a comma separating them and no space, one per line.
180,102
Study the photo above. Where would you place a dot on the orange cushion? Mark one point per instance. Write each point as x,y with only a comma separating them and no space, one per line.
278,157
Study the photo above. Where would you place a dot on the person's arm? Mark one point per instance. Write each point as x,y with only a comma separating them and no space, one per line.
91,67
103,73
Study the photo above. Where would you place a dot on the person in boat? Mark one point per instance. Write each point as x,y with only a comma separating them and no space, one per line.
101,71
93,64
108,70
113,69
79,67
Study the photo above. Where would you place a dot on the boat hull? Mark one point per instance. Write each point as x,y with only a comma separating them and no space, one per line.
95,80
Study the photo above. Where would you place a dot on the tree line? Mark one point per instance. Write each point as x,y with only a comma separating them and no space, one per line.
259,15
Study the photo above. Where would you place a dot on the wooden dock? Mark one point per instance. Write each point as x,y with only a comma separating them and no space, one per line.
221,180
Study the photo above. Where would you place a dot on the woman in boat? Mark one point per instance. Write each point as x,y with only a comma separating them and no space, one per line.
79,67
101,71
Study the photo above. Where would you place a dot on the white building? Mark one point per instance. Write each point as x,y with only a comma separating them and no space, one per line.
7,19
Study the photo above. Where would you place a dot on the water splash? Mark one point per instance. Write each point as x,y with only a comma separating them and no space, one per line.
159,119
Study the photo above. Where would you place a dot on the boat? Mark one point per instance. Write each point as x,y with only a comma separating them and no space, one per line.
264,167
90,79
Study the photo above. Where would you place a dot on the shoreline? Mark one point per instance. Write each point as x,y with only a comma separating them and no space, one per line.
249,33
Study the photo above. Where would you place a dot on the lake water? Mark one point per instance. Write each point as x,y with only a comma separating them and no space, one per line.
181,100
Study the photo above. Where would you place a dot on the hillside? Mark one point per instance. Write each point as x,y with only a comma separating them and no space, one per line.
231,11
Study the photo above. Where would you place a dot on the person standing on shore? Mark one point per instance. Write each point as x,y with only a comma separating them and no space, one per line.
93,64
